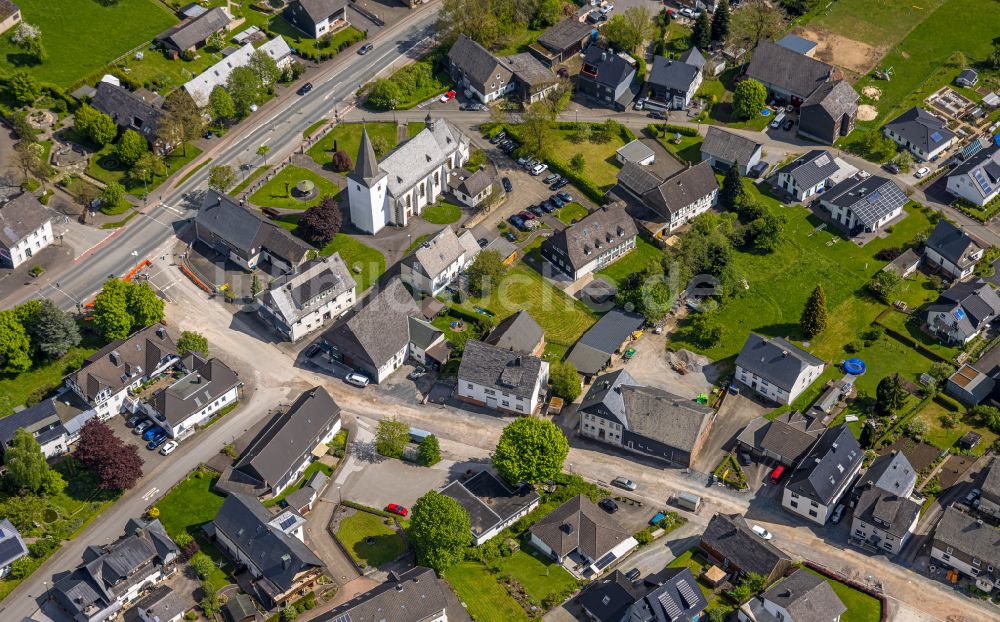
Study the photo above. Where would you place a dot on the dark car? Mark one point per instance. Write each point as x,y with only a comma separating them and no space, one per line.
482,242
517,221
526,215
151,433
536,210
560,184
789,124
608,505
312,351
557,201
133,420
364,49
566,197
548,206
208,134
891,167
633,574
499,137
510,235
156,442
305,88
507,186
656,114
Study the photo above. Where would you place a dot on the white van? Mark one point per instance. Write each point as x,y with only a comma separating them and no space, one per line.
778,119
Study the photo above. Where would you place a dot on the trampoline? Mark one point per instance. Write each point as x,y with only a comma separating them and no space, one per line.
766,112
854,366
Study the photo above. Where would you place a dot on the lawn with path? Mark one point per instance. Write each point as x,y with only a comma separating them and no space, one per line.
190,504
442,213
273,193
643,256
43,378
105,166
486,599
385,544
365,263
347,137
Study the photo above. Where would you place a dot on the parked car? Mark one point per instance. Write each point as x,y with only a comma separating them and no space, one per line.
528,163
640,103
686,12
777,473
744,458
152,433
891,167
838,513
608,505
133,420
551,178
633,574
417,372
499,137
778,120
624,482
208,134
556,200
536,210
395,508
364,49
142,426
540,168
483,242
357,379
305,88
522,161
526,215
548,206
507,186
511,147
760,531
168,448
312,351
559,184
789,124
477,107
156,442
515,220
656,114
447,97
922,172
510,236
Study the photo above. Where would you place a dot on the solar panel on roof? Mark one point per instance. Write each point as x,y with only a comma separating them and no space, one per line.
669,605
874,197
959,314
288,521
687,593
604,561
936,137
982,181
344,617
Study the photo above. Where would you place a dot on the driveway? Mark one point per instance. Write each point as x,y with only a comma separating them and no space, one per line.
390,481
651,366
734,414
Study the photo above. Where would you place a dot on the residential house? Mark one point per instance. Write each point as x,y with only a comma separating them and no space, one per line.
812,174
636,152
201,86
194,32
161,604
12,546
951,250
970,385
295,437
610,598
204,388
597,240
243,237
864,203
722,149
297,304
798,45
44,421
968,78
674,82
925,135
10,15
302,500
408,179
730,543
497,378
786,74
271,547
904,265
885,515
317,18
989,500
775,368
492,505
620,411
563,41
476,70
968,545
473,189
416,595
139,110
829,112
375,338
607,78
671,202
107,376
819,482
428,345
533,80
670,595
114,575
962,312
977,179
438,260
593,351
580,530
784,440
518,332
800,597
25,229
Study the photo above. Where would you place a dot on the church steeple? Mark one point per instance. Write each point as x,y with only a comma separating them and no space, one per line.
366,167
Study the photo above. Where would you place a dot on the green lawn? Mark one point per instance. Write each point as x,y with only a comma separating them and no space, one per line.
82,36
252,177
105,166
600,166
442,213
414,127
910,326
541,577
880,24
519,40
311,470
571,212
486,600
641,257
721,88
944,437
162,74
356,529
562,318
272,194
365,263
693,559
347,137
41,379
860,606
190,504
312,129
688,149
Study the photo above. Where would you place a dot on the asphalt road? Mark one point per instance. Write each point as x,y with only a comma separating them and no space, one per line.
278,124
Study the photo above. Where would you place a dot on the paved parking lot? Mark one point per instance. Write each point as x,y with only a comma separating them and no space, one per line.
650,366
393,481
151,458
734,414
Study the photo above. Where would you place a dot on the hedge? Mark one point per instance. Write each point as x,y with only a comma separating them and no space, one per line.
626,134
365,508
683,130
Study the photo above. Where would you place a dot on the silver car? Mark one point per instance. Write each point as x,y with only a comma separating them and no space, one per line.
624,482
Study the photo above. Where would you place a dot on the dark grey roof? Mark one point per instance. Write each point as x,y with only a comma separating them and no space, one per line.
518,332
239,607
12,547
682,189
984,169
366,166
529,69
478,64
836,98
972,303
991,483
192,33
317,282
775,360
969,75
973,538
922,129
812,168
672,74
42,420
583,241
693,57
788,70
609,599
471,184
318,10
423,334
891,512
379,329
282,445
952,243
677,598
278,555
497,368
8,8
595,347
605,67
730,536
871,197
414,595
565,34
832,461
891,472
637,179
806,597
580,525
115,365
489,501
20,217
729,147
789,435
139,110
243,230
796,44
205,382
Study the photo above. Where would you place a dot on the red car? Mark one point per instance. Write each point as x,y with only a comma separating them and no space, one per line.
526,215
447,97
395,508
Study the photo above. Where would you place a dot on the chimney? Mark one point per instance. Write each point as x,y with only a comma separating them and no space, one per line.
784,353
286,561
161,332
567,528
399,587
604,56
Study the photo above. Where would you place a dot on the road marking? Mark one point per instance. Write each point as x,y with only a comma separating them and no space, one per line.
150,493
172,209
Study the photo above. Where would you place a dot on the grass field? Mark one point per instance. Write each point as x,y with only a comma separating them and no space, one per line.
571,212
387,545
641,257
16,388
600,166
347,137
163,73
442,213
562,318
910,326
105,166
944,437
860,606
190,504
272,194
414,127
540,576
81,36
881,24
357,255
252,177
486,599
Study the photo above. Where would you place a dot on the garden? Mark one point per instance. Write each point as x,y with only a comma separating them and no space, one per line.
371,537
442,213
312,469
695,560
366,263
571,212
643,256
948,421
275,23
347,137
294,188
410,85
32,386
105,166
860,606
